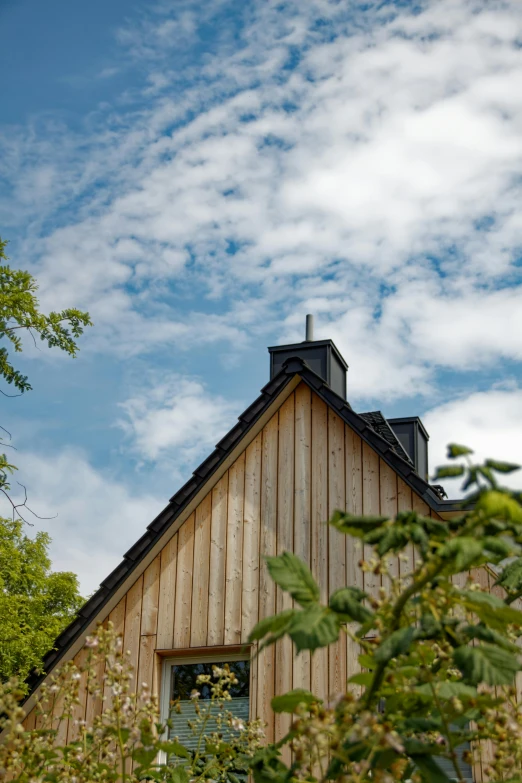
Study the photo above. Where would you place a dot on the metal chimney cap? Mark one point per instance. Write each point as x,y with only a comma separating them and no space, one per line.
309,328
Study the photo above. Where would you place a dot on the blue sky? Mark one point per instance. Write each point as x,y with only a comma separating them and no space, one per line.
200,176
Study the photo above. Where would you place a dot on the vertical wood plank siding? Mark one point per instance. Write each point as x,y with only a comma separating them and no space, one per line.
209,585
268,543
285,543
319,515
337,653
302,507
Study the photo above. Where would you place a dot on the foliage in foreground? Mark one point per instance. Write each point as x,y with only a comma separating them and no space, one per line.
35,603
439,658
122,738
439,653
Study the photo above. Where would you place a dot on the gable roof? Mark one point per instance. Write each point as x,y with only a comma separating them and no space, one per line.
293,369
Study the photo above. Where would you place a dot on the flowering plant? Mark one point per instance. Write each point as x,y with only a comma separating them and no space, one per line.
439,647
124,739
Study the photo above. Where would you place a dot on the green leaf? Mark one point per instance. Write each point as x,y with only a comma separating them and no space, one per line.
174,748
430,770
449,471
362,678
455,450
495,503
367,661
489,635
356,525
347,602
178,775
490,609
501,467
448,690
294,576
289,702
486,664
463,551
396,644
276,625
313,627
500,546
144,757
393,540
511,576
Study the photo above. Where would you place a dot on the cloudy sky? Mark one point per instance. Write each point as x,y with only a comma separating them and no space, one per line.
198,176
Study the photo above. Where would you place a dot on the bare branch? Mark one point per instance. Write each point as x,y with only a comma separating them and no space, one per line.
17,506
4,429
10,395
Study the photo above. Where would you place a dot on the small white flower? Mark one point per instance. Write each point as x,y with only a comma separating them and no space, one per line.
237,724
195,694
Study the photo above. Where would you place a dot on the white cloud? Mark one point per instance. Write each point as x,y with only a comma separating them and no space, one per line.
489,422
177,420
98,517
364,198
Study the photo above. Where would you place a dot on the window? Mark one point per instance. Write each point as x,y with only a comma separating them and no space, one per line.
180,679
465,768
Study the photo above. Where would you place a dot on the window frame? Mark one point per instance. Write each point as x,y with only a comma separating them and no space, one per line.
187,657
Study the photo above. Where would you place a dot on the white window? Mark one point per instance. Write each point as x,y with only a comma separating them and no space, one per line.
179,679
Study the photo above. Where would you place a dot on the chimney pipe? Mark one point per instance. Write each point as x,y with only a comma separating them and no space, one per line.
309,328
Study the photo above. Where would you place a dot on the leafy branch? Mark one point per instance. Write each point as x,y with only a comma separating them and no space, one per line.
436,657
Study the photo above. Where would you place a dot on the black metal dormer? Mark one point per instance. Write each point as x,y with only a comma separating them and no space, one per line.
414,439
322,356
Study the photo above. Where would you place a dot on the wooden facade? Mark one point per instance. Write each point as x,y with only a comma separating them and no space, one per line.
209,585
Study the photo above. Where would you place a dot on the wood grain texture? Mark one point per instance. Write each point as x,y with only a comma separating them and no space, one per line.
251,532
405,503
388,507
233,568
200,580
183,598
302,508
146,664
218,554
167,594
151,583
319,516
285,543
94,704
117,619
337,653
131,638
60,722
354,552
78,710
370,507
268,542
29,721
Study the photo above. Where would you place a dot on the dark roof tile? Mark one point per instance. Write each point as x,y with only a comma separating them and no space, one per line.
380,425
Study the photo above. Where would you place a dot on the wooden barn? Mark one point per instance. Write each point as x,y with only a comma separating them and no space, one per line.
190,590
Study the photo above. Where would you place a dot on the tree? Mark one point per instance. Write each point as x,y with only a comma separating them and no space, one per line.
35,603
439,652
19,315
